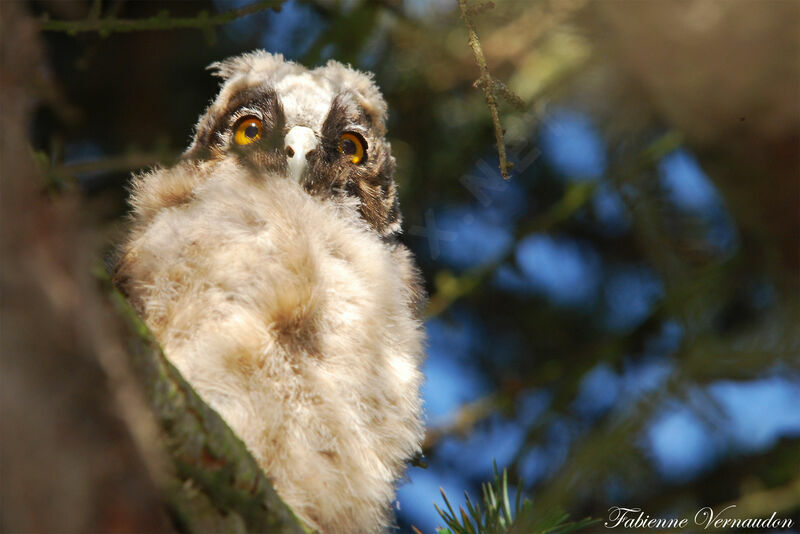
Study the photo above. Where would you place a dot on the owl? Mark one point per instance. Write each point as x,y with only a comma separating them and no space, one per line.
267,264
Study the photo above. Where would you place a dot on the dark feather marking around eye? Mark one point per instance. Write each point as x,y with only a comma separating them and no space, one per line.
335,123
344,114
266,101
213,128
371,183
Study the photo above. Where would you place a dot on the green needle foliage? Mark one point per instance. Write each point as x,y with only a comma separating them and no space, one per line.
495,515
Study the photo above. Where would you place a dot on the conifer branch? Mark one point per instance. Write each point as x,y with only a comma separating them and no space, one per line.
107,25
217,484
495,513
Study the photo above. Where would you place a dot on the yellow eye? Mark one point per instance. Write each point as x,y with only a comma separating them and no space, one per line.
352,146
248,130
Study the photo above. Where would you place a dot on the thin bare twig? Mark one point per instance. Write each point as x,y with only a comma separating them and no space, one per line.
64,176
486,83
124,162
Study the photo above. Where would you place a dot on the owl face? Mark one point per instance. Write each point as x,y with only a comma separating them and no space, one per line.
323,128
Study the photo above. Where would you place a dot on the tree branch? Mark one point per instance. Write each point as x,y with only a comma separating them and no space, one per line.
217,484
162,21
64,176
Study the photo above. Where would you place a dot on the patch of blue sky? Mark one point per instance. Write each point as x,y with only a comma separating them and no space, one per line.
448,386
242,29
630,293
496,440
722,233
640,377
572,145
598,391
224,5
504,347
524,155
470,237
543,459
293,29
375,46
689,188
348,5
421,9
763,295
290,31
456,337
534,465
327,52
416,496
616,489
531,405
680,444
479,232
566,271
84,151
686,184
759,411
505,200
560,435
451,376
509,278
666,341
610,211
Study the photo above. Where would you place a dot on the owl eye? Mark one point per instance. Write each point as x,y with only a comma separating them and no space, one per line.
248,130
352,146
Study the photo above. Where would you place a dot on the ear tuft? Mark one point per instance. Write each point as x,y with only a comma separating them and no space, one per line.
259,60
362,84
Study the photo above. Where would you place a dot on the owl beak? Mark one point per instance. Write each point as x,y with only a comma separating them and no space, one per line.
299,143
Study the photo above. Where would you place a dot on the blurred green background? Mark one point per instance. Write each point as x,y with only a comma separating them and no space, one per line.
618,323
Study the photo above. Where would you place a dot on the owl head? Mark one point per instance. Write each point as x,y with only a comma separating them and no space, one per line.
323,128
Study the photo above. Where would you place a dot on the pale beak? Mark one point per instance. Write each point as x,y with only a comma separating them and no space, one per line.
299,143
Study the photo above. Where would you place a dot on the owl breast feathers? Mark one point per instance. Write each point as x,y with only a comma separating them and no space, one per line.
267,265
